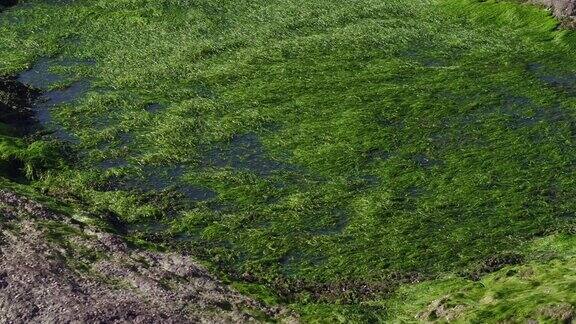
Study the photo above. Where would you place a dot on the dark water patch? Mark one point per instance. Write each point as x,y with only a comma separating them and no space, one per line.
161,177
362,182
335,223
513,111
185,237
43,114
65,95
415,192
7,4
567,216
374,155
562,81
154,107
552,115
100,122
203,91
156,179
523,112
16,106
113,163
70,40
45,103
339,221
17,120
534,67
245,153
221,207
41,75
122,139
195,193
511,101
424,161
13,170
386,122
64,136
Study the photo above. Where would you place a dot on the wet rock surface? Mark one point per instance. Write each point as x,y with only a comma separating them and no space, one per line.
15,106
53,269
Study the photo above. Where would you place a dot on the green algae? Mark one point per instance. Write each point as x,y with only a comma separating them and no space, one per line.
396,139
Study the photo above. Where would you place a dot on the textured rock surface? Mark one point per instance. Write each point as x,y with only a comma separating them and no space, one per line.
55,270
561,8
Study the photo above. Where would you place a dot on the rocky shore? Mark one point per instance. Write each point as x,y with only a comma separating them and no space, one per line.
53,269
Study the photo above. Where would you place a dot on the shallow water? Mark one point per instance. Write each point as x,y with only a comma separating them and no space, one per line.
160,179
339,222
154,107
41,77
44,104
113,163
245,153
163,178
563,81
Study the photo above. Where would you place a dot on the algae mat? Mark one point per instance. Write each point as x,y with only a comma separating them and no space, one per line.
317,153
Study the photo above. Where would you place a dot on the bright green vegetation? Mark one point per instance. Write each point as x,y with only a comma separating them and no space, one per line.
542,290
33,159
350,146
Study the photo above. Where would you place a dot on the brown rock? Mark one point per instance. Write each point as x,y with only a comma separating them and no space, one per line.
561,8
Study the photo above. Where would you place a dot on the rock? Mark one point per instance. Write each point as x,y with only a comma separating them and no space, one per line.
14,204
561,313
561,8
54,270
441,310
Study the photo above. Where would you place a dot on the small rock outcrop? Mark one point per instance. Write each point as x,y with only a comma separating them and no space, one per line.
561,8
